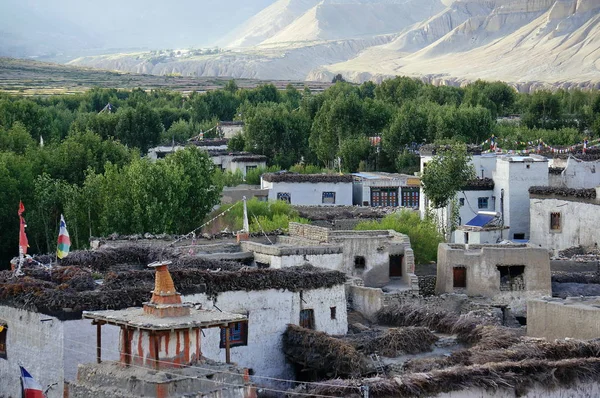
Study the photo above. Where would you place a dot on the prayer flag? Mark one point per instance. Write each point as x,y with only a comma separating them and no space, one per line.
31,388
64,241
23,243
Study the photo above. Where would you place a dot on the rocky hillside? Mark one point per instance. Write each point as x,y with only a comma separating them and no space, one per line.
531,43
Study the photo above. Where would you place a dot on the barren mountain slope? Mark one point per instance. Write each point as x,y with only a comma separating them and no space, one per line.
343,19
527,43
268,22
274,62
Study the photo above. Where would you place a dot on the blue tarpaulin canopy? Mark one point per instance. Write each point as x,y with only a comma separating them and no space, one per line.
480,220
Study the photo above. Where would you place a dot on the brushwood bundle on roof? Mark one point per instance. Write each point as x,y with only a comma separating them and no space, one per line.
584,193
321,353
491,377
65,291
468,329
479,184
393,341
296,177
434,149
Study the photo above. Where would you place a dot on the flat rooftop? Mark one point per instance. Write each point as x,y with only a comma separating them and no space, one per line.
136,318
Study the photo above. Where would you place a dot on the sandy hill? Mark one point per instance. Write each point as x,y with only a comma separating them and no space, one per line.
268,22
344,19
530,43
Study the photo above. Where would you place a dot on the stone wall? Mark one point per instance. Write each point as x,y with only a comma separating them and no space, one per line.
311,232
269,312
557,319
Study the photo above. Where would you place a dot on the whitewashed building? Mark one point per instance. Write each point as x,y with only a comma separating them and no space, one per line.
574,173
563,218
309,189
386,189
227,129
223,158
375,257
502,186
485,228
51,342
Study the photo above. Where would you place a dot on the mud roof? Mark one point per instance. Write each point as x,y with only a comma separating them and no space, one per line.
309,178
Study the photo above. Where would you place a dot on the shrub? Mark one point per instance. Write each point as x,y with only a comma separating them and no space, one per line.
423,234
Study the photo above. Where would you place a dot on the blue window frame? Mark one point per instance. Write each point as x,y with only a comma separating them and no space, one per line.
482,203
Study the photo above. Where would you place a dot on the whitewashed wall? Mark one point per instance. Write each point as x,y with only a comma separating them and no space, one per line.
492,236
269,312
470,208
328,261
36,345
311,194
579,223
515,178
578,174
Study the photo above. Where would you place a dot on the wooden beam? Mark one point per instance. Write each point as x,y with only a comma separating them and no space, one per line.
155,342
99,342
227,345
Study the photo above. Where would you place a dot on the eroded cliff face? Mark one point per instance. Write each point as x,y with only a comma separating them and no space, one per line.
529,43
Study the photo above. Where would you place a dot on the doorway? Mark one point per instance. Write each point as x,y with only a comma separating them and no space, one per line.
396,265
460,277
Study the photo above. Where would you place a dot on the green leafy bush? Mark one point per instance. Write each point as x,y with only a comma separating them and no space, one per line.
262,216
423,234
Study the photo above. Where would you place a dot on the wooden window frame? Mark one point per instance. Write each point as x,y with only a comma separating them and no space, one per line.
3,339
238,335
307,318
555,221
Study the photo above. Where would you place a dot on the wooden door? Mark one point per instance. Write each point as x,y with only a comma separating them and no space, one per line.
396,265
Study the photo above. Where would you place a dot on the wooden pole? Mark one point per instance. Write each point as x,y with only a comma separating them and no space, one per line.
227,345
155,341
98,342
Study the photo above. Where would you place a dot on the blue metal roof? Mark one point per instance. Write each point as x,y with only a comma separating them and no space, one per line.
480,220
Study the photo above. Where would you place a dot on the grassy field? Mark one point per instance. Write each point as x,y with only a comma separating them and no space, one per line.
28,77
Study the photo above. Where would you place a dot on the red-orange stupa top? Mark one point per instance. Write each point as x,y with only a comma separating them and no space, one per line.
165,302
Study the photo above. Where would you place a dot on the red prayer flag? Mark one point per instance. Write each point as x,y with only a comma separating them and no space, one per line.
23,243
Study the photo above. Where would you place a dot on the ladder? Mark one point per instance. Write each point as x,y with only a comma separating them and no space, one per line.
379,366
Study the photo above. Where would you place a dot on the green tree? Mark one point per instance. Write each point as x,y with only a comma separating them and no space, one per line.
352,151
140,127
446,173
543,110
16,139
237,143
409,125
280,134
498,97
398,90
